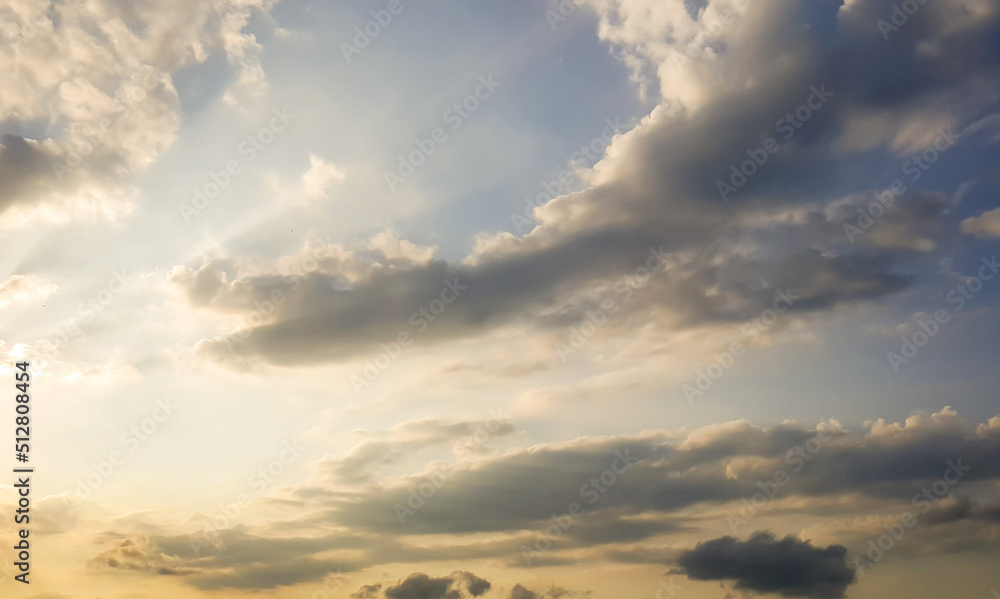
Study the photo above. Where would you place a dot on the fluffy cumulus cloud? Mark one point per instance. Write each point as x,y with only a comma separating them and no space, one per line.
814,182
984,225
789,567
89,99
320,176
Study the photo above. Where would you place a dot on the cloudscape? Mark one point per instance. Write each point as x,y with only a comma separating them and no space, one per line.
524,299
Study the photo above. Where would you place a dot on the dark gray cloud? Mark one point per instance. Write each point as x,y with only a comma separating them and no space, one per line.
475,585
519,592
953,509
454,586
34,174
789,567
21,164
368,591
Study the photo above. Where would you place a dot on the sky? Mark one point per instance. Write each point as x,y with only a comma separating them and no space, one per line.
521,299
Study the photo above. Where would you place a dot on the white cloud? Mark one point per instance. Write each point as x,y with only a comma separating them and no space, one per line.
986,224
101,82
395,249
320,176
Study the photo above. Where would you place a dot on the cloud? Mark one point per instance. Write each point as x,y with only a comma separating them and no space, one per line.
763,564
400,251
519,592
43,187
24,288
422,586
710,466
263,575
637,516
657,186
368,591
47,362
242,50
139,553
475,585
408,438
986,224
263,557
320,176
107,96
953,509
